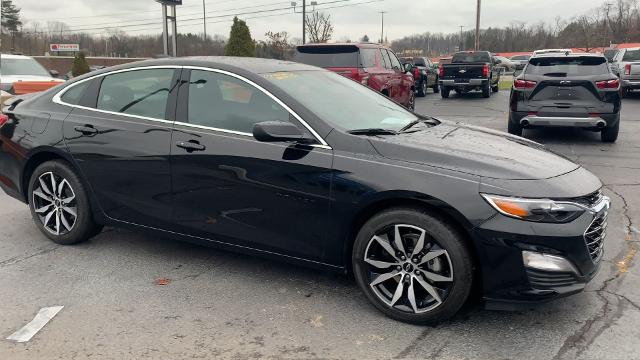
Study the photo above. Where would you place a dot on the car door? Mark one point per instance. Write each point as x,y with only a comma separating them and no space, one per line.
402,81
231,188
387,74
121,141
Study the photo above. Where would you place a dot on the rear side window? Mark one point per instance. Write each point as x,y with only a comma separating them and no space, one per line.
631,55
568,66
138,92
471,57
223,102
368,57
329,56
75,93
395,63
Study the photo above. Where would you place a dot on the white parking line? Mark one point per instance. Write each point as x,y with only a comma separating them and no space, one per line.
42,318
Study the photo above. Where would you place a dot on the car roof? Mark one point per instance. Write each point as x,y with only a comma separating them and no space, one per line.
229,63
12,56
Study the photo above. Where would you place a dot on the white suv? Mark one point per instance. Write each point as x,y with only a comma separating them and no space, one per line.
14,68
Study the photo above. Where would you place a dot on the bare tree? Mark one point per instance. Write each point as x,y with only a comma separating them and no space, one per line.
319,27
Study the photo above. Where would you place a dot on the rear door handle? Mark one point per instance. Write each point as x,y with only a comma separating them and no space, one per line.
191,145
86,130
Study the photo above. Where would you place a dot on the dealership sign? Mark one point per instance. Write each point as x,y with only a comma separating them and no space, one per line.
64,47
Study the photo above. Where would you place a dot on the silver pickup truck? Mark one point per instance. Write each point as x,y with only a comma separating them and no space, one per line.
626,64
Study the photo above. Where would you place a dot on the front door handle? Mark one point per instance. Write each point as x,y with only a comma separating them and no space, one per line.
86,130
191,145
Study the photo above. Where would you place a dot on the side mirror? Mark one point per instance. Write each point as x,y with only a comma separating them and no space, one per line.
54,73
408,67
270,131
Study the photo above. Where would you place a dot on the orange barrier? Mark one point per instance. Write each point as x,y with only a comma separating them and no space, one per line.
27,87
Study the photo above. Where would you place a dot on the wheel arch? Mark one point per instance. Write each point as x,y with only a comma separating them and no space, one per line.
395,199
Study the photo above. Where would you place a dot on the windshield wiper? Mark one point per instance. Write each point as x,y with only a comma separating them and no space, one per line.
428,121
373,131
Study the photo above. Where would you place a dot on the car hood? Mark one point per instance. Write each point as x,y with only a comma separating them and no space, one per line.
9,79
475,150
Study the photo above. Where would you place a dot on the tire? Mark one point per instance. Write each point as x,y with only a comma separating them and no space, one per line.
436,87
624,93
514,128
447,273
486,90
52,211
422,89
496,88
412,101
444,92
610,134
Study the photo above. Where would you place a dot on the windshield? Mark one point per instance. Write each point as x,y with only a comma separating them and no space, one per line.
568,66
471,57
521,57
419,62
342,102
631,55
22,67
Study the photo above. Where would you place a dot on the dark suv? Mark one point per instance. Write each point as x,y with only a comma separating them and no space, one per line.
573,90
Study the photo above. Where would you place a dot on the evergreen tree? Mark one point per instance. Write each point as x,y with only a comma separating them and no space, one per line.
80,65
365,38
240,42
10,19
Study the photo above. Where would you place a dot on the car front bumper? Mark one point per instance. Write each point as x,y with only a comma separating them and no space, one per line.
503,240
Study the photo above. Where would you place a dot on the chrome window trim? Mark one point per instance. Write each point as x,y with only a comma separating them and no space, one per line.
58,100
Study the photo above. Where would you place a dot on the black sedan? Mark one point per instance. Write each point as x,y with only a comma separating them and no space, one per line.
293,162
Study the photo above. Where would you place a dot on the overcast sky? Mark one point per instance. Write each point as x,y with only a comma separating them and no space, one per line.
403,17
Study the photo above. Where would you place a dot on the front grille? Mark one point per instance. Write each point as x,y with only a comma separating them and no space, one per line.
594,236
545,279
589,200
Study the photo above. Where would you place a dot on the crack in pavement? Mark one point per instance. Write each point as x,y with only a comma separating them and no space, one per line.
16,259
610,311
413,344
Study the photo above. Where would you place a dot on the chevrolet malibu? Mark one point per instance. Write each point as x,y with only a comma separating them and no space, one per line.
297,163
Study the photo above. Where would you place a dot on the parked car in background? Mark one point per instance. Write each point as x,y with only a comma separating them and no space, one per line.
372,65
520,61
19,68
610,54
504,63
444,60
626,65
572,90
425,74
469,71
552,51
299,164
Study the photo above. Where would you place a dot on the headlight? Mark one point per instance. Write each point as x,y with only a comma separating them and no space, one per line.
538,210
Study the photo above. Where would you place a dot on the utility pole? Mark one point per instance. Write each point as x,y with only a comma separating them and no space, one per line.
605,24
304,21
461,39
382,31
204,20
477,44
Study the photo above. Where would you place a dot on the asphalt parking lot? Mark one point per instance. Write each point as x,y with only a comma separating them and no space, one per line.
220,304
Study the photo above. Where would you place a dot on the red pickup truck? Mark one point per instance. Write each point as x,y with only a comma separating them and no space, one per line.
373,65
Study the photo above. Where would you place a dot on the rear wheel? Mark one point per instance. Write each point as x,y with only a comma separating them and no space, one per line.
436,87
422,89
624,93
59,204
486,90
412,101
412,265
514,128
610,134
445,92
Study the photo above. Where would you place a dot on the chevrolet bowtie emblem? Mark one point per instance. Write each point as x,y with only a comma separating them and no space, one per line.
462,71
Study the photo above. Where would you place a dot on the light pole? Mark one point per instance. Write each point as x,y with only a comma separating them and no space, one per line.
605,24
477,44
304,16
382,30
204,20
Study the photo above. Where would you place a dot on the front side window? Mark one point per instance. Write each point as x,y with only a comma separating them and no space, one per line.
395,63
138,92
224,102
341,101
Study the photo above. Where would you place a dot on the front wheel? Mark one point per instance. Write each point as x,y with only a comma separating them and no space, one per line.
60,205
412,101
436,87
413,265
495,88
514,128
422,90
444,92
